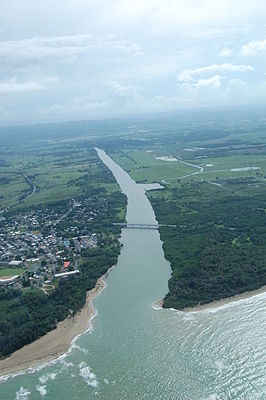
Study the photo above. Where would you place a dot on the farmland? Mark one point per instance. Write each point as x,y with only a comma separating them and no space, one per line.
145,165
50,171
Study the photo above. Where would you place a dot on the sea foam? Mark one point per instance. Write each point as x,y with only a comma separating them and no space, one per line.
87,375
42,390
22,394
45,378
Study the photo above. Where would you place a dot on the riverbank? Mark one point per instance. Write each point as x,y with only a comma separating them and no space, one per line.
158,305
56,342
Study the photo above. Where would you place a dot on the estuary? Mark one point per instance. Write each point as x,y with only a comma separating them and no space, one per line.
135,351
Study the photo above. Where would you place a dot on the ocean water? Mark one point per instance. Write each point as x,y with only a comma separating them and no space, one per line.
137,352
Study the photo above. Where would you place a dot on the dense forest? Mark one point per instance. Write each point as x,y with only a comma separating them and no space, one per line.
218,248
28,315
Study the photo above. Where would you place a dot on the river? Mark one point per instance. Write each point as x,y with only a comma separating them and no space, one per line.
135,352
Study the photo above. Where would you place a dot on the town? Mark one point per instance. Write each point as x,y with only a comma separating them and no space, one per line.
40,245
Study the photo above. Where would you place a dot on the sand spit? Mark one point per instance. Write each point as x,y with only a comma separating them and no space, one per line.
227,300
158,305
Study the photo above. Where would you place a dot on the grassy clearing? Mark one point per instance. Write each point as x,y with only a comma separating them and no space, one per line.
11,271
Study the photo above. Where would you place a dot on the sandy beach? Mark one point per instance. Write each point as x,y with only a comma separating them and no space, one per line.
227,300
56,342
218,303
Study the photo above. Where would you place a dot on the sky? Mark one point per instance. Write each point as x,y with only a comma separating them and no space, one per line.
66,60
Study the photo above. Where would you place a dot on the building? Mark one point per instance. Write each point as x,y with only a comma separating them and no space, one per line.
14,263
66,264
66,274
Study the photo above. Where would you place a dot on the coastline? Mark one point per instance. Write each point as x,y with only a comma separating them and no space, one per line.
56,342
157,305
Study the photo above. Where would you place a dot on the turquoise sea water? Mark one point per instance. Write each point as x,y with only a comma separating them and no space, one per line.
136,352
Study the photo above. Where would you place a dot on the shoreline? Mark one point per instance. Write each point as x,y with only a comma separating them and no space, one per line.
57,342
157,305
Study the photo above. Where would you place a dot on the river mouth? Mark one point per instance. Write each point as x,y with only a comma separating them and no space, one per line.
135,352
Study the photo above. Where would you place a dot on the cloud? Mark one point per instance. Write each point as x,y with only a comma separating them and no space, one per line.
126,15
165,16
188,74
192,88
225,52
12,85
214,82
76,105
236,86
125,92
61,49
104,98
123,57
253,47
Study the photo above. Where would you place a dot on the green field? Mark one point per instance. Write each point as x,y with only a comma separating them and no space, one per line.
11,271
222,167
144,167
57,173
13,185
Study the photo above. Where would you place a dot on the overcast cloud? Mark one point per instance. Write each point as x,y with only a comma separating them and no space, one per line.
85,59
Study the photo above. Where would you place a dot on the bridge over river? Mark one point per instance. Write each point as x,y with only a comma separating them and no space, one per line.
143,226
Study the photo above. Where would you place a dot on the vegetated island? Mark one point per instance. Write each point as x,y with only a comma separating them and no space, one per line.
218,247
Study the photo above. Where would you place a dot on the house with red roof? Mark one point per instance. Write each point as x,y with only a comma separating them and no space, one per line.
66,264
